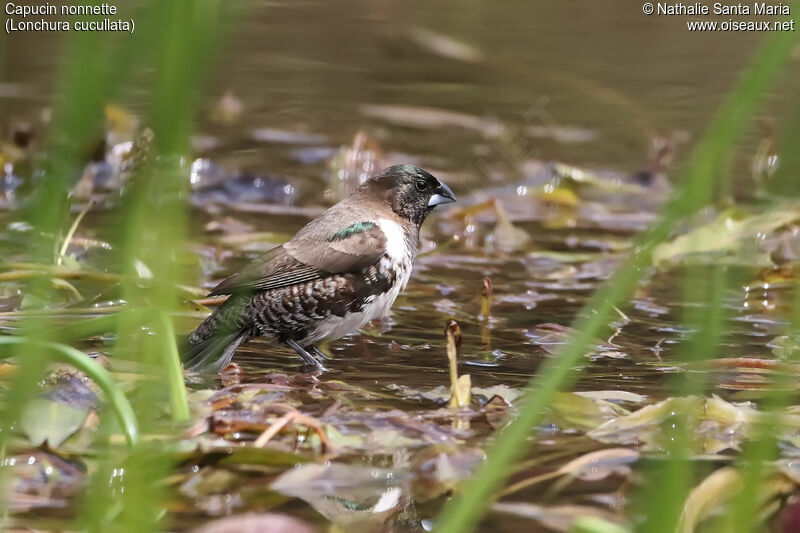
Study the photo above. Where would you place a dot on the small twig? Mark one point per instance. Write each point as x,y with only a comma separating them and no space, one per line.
613,336
486,299
332,409
273,430
621,314
296,417
68,238
657,349
528,482
486,314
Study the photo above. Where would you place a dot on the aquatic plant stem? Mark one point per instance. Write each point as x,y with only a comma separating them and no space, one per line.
71,233
67,354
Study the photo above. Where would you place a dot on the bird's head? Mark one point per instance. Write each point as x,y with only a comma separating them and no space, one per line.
411,192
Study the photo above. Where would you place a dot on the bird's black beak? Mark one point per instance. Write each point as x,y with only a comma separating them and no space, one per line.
443,195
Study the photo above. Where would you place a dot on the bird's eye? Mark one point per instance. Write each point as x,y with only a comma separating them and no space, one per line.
422,185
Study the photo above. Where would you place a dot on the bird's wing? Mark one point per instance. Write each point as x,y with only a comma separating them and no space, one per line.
339,250
306,258
272,270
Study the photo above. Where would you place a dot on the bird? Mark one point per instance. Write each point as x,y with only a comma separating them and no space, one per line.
341,270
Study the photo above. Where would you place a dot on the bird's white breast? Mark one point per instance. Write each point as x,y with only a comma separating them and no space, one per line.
399,258
396,241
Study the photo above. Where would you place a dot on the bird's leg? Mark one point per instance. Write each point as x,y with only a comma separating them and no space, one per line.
313,350
307,357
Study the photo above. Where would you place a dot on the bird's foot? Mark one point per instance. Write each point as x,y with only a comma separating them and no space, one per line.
308,359
316,352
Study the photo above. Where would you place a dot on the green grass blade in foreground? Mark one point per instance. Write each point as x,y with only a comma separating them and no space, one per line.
754,462
77,120
473,499
82,88
152,236
666,484
177,389
67,354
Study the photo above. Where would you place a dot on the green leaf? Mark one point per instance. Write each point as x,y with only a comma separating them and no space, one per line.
594,524
727,235
51,422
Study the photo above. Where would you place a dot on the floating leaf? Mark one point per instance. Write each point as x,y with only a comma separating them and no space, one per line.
345,494
439,469
561,196
718,424
570,410
583,177
327,479
727,236
595,524
597,465
556,517
709,494
613,396
252,522
503,391
51,422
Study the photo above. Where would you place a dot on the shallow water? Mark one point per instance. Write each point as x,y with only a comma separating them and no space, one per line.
590,86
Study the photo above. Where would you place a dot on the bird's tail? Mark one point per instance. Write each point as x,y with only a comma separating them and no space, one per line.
213,353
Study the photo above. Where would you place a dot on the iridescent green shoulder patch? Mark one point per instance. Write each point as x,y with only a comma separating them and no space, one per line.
349,231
